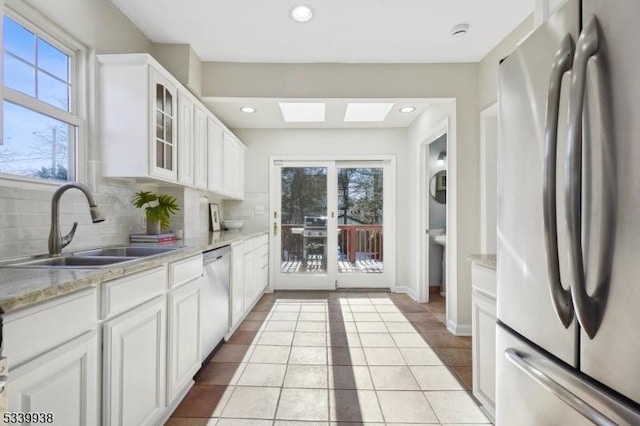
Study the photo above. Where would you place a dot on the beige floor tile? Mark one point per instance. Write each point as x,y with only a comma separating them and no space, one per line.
303,404
366,316
436,378
267,354
220,373
455,407
377,340
400,327
243,422
276,338
387,309
405,407
363,308
420,356
223,401
308,355
313,308
295,423
354,377
342,327
269,375
280,326
341,316
371,327
284,316
252,403
384,356
312,316
360,301
393,317
409,340
312,326
343,340
287,307
309,339
354,406
306,376
393,378
346,356
381,301
185,421
232,353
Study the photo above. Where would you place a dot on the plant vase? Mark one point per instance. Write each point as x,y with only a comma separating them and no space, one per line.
153,227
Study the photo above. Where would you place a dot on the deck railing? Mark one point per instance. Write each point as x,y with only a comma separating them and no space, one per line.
355,243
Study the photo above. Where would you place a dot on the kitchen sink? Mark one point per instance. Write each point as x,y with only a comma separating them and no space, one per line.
70,262
124,251
87,259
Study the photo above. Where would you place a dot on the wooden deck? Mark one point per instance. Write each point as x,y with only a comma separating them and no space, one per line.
316,265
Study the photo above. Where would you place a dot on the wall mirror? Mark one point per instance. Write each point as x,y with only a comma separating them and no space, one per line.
438,186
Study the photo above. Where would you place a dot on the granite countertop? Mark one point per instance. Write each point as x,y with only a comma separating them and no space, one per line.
487,260
22,287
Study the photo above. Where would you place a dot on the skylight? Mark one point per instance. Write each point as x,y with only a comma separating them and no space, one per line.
303,112
367,112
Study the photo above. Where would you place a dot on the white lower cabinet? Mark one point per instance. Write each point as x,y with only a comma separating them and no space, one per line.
484,336
249,277
63,382
183,346
134,365
236,299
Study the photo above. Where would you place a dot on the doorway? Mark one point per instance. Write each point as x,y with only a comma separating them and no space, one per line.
333,224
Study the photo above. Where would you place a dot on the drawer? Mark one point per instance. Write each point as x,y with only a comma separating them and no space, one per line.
128,292
484,279
37,329
183,271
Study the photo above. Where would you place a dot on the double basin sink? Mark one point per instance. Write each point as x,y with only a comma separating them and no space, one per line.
85,259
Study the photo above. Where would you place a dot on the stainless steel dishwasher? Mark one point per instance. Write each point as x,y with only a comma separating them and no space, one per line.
214,317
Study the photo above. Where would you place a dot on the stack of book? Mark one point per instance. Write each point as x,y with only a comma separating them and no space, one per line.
166,238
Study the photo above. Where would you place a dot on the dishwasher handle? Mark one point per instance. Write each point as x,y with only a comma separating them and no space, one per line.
216,254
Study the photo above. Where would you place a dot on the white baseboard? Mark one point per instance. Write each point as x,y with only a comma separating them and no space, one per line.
459,329
407,290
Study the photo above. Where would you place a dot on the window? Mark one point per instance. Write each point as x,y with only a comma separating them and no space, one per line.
41,125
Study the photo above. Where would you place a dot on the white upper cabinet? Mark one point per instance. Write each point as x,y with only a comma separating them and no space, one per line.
186,141
138,105
215,155
233,167
200,148
154,128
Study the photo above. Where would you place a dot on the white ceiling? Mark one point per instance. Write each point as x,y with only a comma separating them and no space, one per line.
343,31
268,113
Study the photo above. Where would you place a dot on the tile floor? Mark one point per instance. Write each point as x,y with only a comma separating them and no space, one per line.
336,358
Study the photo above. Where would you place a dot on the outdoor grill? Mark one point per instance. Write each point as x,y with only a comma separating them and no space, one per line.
314,239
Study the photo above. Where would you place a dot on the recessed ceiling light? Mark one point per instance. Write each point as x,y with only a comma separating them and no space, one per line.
459,30
248,110
303,112
407,109
301,13
367,112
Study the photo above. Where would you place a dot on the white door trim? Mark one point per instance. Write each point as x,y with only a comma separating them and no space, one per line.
436,131
489,112
390,242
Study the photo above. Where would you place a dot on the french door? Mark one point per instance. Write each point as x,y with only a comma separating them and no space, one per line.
332,224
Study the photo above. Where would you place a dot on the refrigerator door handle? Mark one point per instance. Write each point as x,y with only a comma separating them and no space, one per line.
589,309
557,389
562,64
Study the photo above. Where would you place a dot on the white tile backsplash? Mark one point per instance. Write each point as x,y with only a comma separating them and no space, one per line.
245,210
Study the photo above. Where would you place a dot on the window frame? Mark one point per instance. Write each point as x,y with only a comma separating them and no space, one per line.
46,30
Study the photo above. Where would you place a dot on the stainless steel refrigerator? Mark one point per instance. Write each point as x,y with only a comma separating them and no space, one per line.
568,332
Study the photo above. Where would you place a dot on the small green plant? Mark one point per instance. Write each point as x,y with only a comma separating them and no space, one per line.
157,208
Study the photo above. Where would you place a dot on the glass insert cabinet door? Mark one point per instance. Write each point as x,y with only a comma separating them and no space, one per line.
164,130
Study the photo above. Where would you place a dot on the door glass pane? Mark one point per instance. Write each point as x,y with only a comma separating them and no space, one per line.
160,97
304,219
360,230
159,154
